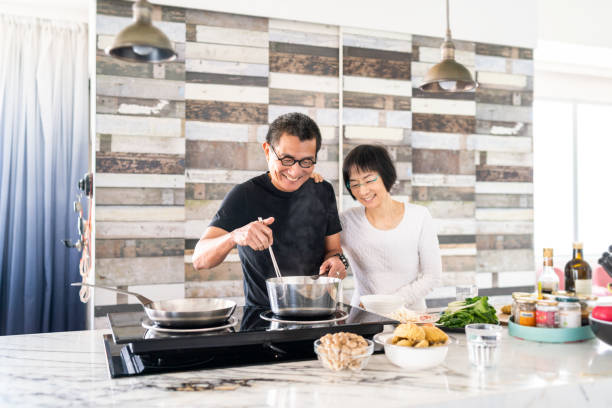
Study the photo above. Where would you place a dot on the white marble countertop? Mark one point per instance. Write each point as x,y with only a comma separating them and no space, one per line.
60,369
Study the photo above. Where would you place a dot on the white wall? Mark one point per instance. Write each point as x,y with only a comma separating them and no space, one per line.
584,22
494,21
512,22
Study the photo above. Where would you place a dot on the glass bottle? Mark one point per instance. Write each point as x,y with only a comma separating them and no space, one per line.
578,273
548,280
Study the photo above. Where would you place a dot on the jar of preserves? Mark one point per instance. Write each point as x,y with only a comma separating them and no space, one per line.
547,314
569,312
526,309
515,297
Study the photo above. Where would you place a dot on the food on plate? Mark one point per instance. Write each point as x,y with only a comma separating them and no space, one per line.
404,315
338,351
411,335
507,309
468,311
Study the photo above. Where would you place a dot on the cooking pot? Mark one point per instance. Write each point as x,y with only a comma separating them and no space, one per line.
303,296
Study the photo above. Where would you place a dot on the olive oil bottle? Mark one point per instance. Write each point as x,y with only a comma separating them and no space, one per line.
578,273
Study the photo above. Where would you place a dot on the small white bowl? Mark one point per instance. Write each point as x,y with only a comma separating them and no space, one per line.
411,358
382,304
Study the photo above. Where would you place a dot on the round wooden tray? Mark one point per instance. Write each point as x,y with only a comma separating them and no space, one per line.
548,335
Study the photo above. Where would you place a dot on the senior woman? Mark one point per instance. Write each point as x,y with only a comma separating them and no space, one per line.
392,246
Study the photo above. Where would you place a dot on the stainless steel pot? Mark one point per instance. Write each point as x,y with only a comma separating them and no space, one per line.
189,312
303,296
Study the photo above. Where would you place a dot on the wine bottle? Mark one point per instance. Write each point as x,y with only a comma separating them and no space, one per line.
578,273
548,280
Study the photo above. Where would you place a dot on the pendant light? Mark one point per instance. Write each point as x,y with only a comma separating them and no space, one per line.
141,41
448,75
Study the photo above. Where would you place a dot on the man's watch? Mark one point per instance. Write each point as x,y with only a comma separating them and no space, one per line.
343,259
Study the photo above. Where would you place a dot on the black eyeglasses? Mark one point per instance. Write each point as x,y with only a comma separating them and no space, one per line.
289,161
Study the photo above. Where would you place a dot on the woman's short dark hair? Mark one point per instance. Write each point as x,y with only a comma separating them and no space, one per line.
295,124
369,158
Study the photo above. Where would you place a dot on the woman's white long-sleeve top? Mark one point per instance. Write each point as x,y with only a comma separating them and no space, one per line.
403,261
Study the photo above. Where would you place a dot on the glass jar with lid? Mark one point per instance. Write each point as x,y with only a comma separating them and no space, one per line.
547,314
569,312
525,309
515,297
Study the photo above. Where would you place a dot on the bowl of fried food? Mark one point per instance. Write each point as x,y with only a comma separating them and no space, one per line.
343,351
415,347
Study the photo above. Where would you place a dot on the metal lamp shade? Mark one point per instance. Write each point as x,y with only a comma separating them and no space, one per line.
141,41
448,76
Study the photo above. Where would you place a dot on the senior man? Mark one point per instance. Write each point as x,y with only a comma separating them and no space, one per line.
300,217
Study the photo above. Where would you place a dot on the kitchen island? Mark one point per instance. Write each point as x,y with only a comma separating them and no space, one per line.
60,369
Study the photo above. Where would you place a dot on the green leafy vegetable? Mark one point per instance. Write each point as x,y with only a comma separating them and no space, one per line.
472,310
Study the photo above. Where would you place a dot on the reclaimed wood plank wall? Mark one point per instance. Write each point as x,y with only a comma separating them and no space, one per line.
140,160
172,139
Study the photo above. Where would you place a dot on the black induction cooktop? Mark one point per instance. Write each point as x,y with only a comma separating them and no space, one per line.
134,350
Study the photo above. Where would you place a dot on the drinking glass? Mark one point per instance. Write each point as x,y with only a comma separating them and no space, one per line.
465,291
483,343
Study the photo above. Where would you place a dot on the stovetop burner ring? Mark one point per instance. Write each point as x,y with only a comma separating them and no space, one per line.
271,317
149,325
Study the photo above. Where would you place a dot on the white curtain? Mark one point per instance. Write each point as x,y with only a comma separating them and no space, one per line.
43,153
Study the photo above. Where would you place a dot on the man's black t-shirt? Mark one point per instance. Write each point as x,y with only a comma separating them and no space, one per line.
302,220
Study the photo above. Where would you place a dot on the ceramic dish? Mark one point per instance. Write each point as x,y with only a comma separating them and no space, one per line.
404,315
410,358
382,304
602,329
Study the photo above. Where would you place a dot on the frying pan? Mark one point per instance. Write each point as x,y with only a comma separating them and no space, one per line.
189,312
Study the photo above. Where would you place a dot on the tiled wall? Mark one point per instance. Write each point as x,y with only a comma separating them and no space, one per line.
172,139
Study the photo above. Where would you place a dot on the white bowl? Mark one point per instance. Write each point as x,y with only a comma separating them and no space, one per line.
382,304
411,358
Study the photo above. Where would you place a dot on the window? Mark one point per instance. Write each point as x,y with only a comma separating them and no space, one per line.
594,174
552,177
572,193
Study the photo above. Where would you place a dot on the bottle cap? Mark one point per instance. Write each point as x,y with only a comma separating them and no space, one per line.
548,252
577,245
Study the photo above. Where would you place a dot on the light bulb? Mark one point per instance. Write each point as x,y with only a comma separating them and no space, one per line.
448,85
142,49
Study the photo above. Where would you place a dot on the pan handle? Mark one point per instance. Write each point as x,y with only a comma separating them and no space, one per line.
142,299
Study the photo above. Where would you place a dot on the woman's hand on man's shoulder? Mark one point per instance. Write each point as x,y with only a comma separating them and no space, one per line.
316,177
